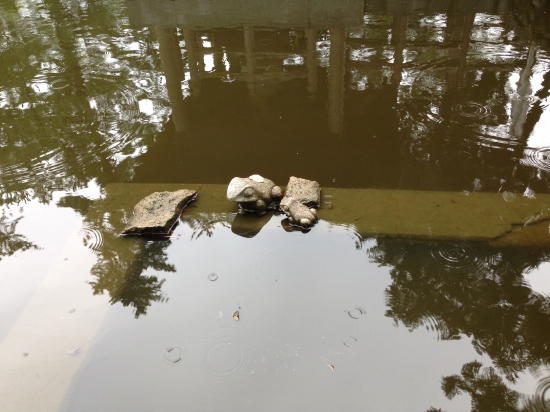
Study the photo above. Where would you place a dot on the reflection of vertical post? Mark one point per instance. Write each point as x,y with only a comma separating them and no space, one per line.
311,60
336,73
250,62
218,55
465,45
170,56
520,105
192,58
398,38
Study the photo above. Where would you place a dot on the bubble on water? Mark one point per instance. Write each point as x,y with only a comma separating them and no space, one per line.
212,277
357,312
224,359
350,342
59,84
187,315
472,110
509,196
539,158
173,355
73,351
529,193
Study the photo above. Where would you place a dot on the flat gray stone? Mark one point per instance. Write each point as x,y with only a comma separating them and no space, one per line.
307,192
157,213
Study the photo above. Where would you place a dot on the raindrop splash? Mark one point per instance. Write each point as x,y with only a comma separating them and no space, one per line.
173,355
357,312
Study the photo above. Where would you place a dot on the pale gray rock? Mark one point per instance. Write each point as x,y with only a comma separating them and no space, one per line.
298,213
254,193
307,192
157,213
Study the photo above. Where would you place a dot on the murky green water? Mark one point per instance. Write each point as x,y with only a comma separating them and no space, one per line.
424,287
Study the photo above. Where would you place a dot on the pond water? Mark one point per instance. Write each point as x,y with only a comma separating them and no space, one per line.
425,286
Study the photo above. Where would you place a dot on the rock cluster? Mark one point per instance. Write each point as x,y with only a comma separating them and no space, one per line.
256,193
156,214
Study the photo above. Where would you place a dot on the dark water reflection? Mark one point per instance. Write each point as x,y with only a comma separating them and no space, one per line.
389,94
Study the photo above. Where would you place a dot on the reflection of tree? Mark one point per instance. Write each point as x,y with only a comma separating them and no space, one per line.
69,100
11,242
79,203
205,223
122,264
533,17
472,289
488,391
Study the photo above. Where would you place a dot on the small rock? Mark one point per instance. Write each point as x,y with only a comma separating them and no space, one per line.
298,213
157,213
307,192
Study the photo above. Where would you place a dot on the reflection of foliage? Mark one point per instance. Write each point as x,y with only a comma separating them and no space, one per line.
533,16
486,298
11,242
204,223
121,266
488,391
295,39
79,203
64,119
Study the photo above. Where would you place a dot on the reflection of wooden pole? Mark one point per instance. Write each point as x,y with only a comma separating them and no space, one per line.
192,58
311,60
399,39
463,53
336,71
520,105
170,56
250,62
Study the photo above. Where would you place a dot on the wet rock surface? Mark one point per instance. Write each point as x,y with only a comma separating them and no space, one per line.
157,213
298,214
254,193
307,192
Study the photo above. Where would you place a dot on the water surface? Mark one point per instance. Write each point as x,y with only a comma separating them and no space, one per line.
428,102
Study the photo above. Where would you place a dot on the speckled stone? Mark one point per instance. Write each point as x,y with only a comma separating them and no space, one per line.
254,193
307,192
298,213
157,213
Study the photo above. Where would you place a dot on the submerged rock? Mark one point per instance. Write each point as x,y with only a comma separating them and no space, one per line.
298,214
307,192
254,193
157,213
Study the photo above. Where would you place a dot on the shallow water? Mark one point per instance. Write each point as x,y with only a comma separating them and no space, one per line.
426,284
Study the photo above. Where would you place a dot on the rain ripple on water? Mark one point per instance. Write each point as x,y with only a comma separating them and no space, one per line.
539,158
224,359
460,254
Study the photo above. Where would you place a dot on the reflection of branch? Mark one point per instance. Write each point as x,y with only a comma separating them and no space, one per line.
205,223
10,242
468,288
488,391
123,263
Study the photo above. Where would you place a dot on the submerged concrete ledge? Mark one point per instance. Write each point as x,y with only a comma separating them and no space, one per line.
376,212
